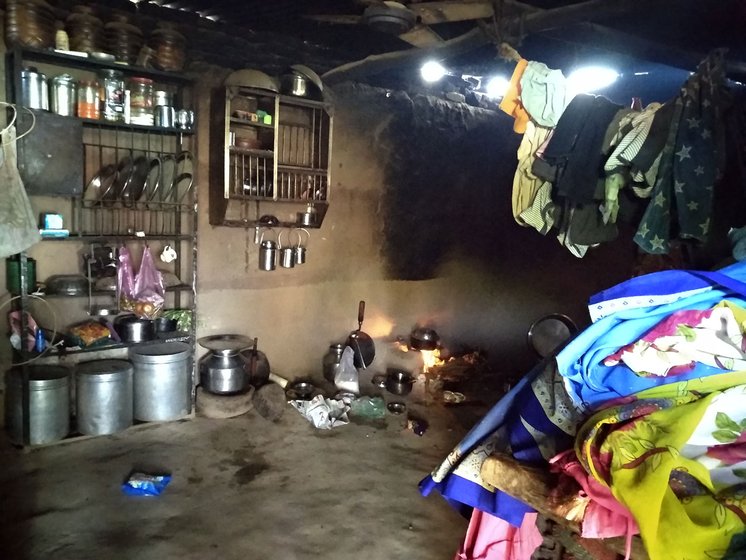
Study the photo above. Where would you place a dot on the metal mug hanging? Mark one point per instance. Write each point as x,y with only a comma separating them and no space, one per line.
287,254
267,254
300,249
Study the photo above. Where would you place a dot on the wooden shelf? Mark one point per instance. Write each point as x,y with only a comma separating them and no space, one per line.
257,124
269,154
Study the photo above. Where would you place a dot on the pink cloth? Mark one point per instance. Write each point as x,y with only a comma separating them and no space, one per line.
491,538
604,517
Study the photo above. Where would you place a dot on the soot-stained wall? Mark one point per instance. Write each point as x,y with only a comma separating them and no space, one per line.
420,227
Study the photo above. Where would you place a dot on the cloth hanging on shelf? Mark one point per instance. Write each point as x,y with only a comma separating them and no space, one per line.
18,228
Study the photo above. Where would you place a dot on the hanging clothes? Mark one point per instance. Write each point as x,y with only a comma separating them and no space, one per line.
575,149
511,101
544,93
681,202
525,183
18,228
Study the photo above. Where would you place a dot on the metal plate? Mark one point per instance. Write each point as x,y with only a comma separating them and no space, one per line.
224,342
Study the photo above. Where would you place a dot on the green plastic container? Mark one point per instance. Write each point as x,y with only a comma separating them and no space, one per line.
13,274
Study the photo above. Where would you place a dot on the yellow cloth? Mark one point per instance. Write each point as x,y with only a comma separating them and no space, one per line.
511,102
525,183
635,448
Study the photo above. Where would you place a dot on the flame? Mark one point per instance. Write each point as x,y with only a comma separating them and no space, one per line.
430,359
401,345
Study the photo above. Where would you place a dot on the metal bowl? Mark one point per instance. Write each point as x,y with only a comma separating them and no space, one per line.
301,390
396,407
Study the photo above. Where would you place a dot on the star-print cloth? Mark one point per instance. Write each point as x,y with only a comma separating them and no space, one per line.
681,202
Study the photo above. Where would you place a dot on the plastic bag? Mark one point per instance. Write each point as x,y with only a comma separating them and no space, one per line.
142,484
141,293
346,378
149,290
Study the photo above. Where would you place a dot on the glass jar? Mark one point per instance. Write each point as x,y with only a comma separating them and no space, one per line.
141,101
89,100
112,95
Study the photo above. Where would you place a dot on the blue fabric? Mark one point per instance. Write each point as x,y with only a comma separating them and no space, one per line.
462,491
590,383
517,409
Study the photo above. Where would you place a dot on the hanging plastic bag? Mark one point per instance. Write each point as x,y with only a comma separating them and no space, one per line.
149,290
126,280
141,292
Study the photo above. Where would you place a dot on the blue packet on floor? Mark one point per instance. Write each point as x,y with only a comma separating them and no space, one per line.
143,484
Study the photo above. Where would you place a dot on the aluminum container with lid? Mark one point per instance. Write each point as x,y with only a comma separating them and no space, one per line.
162,381
34,89
64,93
49,404
103,391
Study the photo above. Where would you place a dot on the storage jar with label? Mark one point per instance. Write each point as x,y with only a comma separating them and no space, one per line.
112,82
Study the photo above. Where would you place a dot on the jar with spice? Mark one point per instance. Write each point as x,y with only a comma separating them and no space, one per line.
112,95
141,101
89,100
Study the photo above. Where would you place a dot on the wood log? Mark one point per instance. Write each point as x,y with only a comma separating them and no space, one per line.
532,486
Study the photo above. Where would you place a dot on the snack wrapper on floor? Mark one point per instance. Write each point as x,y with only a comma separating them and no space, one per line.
323,413
143,484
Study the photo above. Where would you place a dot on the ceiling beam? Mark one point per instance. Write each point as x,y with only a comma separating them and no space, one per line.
477,37
377,63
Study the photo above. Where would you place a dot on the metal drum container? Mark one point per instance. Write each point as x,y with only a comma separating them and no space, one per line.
162,381
103,390
49,404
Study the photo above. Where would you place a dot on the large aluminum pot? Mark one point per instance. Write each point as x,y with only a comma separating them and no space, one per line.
222,372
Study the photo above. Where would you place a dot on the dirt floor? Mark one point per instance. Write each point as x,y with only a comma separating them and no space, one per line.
242,488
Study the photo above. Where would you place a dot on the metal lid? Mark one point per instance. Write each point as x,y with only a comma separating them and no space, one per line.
97,371
40,377
31,71
160,353
225,342
63,79
109,73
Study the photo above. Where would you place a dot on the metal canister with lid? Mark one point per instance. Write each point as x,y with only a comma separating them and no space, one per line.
112,83
63,93
34,92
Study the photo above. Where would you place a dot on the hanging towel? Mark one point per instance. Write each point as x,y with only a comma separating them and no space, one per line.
18,229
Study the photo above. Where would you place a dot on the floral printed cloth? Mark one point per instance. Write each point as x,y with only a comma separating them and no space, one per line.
713,337
675,455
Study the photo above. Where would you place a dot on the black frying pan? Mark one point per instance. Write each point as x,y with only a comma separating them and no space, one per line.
361,343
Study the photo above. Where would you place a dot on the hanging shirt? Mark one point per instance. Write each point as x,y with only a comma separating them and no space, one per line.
544,93
525,183
511,102
689,163
576,147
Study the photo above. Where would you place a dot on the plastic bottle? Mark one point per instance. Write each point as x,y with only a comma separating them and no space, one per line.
39,341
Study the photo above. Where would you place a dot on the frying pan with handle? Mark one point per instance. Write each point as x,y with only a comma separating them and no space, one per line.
361,343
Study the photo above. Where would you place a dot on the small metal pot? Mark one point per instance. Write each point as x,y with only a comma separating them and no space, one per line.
423,338
164,324
294,84
131,328
399,382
